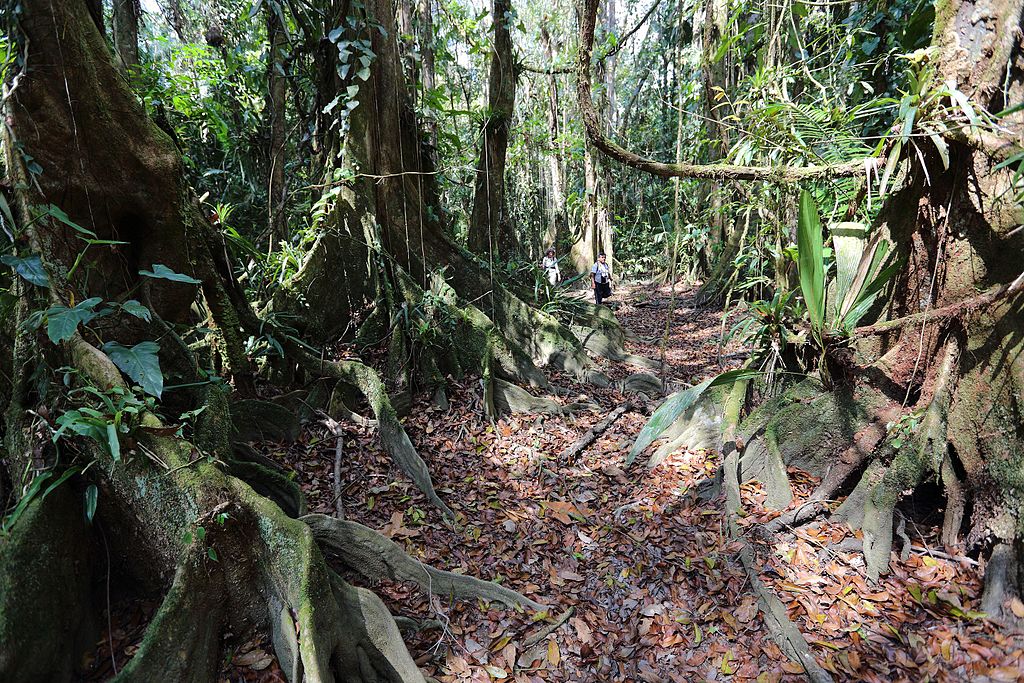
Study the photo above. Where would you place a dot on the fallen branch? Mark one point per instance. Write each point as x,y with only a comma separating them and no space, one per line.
570,454
378,557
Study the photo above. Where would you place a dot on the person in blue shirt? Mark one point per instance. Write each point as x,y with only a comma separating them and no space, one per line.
600,278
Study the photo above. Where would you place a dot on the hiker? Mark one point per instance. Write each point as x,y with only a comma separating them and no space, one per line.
550,267
600,278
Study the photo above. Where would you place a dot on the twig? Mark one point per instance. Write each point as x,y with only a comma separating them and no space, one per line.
549,629
339,506
570,454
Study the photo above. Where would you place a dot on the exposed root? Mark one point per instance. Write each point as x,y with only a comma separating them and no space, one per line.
377,557
548,629
600,342
44,598
908,469
273,484
182,642
392,435
776,620
509,398
1003,582
699,427
642,383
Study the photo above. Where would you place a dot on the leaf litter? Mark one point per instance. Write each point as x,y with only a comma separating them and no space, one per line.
654,584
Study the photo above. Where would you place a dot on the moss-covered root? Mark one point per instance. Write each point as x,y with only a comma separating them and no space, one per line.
379,652
926,453
183,641
392,435
607,342
699,426
377,557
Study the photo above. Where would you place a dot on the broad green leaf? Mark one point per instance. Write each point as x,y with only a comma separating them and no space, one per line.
162,272
890,166
677,404
56,212
6,209
113,443
28,267
872,255
867,297
942,148
92,494
848,241
811,263
133,307
62,322
140,362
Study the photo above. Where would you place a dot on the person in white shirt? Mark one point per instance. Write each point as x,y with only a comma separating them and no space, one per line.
600,278
550,267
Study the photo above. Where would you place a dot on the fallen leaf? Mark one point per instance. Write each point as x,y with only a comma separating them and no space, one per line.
554,654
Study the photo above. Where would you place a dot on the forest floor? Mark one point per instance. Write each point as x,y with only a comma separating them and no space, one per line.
655,588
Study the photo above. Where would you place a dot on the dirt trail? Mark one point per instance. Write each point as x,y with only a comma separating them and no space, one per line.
656,590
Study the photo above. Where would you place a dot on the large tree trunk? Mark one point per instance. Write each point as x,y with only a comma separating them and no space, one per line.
386,206
558,217
253,566
428,78
491,231
940,352
277,91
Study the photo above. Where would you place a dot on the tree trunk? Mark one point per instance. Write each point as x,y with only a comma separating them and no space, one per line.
126,33
961,372
277,94
558,219
427,72
490,229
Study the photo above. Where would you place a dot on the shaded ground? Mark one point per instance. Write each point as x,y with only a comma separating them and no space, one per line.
656,590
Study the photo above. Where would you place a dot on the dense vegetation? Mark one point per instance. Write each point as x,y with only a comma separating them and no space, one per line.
211,208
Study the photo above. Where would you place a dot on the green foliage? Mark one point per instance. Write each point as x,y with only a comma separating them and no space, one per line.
162,272
859,279
28,267
812,263
38,489
140,362
62,321
105,417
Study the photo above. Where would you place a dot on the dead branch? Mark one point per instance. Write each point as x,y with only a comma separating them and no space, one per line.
570,454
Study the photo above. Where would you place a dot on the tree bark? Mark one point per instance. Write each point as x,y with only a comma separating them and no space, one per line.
277,95
558,218
490,230
126,33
